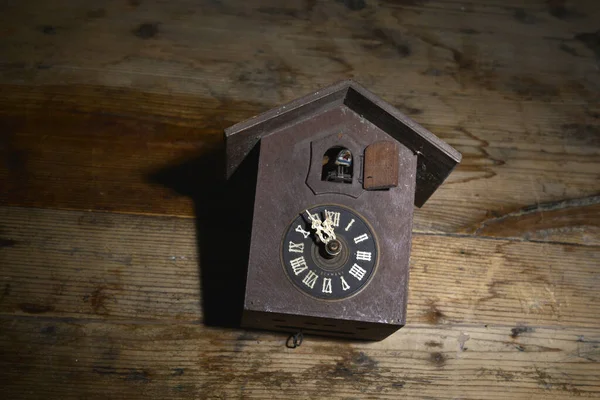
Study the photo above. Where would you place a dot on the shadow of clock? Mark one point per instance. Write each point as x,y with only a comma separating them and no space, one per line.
223,210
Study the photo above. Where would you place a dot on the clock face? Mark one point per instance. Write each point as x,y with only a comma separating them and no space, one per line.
329,252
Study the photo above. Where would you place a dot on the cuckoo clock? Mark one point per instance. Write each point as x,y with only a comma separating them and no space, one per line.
334,177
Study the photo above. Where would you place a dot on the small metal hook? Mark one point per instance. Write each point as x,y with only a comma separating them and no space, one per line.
294,340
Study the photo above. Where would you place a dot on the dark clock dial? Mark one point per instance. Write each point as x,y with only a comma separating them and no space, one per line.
332,256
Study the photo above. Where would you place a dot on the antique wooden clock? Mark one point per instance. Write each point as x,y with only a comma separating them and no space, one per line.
333,177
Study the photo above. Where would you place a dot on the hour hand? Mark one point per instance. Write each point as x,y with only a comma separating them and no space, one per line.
328,224
327,229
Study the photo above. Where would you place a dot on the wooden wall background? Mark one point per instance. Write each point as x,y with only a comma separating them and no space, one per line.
100,283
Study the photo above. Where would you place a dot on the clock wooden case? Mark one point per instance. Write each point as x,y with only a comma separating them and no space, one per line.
344,158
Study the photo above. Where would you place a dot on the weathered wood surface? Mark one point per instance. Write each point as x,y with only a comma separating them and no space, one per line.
119,106
112,266
111,302
92,359
515,89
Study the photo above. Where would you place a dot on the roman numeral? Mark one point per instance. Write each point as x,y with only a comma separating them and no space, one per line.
310,279
326,285
302,231
296,247
345,285
334,217
363,255
357,271
298,265
361,238
349,224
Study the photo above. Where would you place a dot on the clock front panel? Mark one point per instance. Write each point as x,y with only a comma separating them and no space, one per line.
330,268
288,271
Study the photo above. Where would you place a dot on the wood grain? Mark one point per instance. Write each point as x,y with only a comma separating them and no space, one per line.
131,360
174,76
109,266
112,304
119,106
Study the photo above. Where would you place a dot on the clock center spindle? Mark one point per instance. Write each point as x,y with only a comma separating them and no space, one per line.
333,248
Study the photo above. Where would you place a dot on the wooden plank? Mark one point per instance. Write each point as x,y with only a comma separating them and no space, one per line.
105,149
171,79
44,357
298,43
75,264
56,156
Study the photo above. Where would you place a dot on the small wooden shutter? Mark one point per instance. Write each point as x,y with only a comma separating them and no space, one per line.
381,165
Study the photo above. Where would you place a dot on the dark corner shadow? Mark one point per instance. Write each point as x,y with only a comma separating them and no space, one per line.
223,225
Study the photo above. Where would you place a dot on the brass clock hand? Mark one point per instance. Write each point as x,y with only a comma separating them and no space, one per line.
328,227
315,224
333,247
323,230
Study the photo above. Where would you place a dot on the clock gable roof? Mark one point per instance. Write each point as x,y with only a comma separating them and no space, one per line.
436,159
